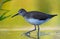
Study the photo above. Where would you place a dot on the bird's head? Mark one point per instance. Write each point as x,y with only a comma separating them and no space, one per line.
21,12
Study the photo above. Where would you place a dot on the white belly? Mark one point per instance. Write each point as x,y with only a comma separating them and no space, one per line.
35,21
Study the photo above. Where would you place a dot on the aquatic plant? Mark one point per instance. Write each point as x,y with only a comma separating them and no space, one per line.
2,17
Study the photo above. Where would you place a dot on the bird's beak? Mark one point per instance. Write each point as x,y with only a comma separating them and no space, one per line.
15,15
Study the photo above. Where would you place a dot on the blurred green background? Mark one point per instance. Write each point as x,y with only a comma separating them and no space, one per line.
10,7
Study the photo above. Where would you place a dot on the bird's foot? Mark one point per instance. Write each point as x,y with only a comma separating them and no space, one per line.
27,34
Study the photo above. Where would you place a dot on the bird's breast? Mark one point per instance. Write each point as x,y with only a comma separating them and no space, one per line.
35,21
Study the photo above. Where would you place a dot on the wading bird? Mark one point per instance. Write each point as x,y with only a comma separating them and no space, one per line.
35,18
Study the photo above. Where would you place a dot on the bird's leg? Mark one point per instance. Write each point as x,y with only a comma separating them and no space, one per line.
38,32
28,33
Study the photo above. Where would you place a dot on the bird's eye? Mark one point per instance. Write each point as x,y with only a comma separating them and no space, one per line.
20,11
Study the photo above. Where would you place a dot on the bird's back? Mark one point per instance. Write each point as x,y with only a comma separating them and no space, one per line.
38,15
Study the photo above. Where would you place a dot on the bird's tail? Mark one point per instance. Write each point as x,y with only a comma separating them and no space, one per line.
54,15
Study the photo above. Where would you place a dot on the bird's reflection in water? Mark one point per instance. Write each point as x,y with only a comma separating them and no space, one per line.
31,37
41,34
55,33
